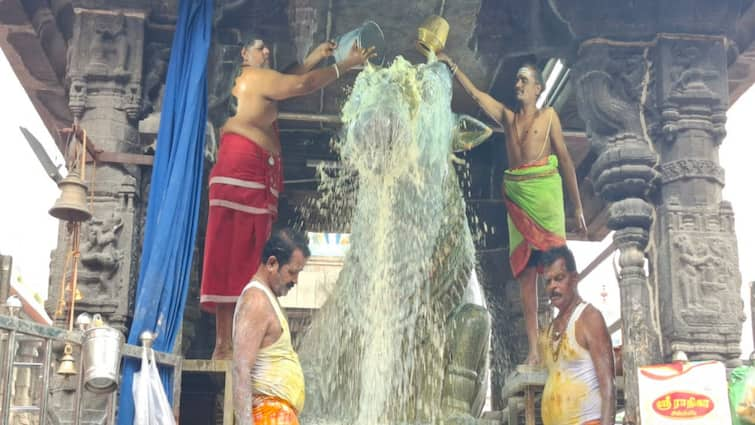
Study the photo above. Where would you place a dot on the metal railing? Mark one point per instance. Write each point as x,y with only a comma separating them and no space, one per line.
26,371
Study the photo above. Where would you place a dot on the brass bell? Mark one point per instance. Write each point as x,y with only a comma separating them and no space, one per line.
67,366
72,205
432,35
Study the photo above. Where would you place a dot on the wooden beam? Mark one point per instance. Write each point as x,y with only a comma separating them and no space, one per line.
100,155
610,249
124,158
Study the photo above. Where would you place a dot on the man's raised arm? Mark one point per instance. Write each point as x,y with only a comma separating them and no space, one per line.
320,52
495,109
278,86
249,330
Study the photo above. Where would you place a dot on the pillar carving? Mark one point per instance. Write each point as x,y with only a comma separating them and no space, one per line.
698,262
104,78
612,91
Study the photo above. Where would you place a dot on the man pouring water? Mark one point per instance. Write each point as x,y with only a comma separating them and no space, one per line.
247,178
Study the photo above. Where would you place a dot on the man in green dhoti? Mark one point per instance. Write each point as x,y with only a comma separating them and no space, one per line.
532,192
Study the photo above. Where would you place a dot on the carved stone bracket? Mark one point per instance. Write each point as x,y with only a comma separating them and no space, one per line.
610,84
157,57
692,85
77,96
132,98
106,57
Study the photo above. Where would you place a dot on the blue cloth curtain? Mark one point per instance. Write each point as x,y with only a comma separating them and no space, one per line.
174,195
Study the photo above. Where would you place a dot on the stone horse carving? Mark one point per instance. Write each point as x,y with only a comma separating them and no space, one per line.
403,337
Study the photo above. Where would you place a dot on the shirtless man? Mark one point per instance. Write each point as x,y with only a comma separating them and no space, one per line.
537,159
577,351
247,178
268,383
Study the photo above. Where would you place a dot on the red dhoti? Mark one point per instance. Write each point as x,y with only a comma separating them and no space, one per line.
244,187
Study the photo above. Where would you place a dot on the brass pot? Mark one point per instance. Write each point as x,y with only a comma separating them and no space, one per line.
432,35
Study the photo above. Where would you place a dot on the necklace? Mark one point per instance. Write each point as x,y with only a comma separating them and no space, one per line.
556,341
521,137
556,337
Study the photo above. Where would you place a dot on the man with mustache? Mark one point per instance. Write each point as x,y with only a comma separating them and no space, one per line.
268,383
532,185
248,176
576,348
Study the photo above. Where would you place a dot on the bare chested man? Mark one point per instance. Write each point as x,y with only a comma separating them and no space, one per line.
268,383
247,179
580,389
532,190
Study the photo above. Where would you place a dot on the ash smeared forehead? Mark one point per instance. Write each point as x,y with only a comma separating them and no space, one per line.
531,73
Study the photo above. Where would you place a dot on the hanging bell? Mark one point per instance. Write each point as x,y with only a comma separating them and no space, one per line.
67,366
72,204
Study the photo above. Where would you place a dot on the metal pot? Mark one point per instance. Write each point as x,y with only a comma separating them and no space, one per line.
366,35
102,357
432,35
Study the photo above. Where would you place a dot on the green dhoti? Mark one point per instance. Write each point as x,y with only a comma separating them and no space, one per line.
534,199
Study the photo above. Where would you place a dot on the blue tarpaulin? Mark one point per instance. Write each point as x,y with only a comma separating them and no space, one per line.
174,196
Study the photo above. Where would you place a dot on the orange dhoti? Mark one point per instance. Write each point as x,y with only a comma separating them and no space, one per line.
269,410
244,187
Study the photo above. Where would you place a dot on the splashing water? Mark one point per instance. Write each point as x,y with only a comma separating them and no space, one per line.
375,352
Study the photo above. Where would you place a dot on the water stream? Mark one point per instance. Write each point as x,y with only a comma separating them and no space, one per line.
375,352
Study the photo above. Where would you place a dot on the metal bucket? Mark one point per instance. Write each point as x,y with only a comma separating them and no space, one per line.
368,34
102,358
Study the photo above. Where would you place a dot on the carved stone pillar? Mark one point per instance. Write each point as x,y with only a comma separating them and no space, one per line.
698,266
612,92
104,72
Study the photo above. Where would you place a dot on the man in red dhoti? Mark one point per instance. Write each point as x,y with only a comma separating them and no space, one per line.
247,179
